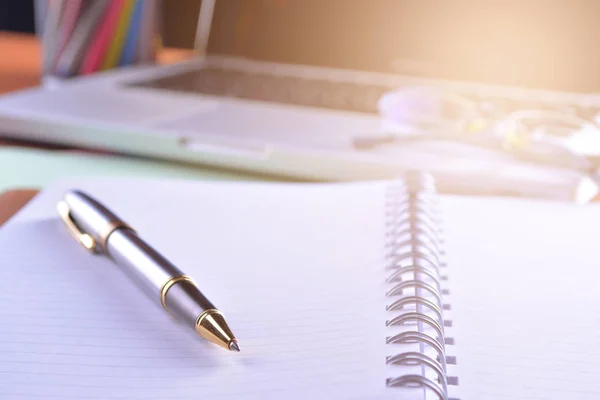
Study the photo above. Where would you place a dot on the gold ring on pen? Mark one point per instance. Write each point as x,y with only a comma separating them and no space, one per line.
167,286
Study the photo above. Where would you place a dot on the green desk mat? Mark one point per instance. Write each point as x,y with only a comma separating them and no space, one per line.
33,168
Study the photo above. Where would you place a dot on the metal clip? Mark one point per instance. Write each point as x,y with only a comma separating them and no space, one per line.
83,238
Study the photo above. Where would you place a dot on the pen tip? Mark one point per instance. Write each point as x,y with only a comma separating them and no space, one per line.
233,346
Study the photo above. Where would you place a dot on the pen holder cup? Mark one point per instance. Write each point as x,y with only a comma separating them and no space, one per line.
81,37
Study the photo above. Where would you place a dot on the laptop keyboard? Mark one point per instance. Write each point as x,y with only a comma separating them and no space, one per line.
297,91
320,93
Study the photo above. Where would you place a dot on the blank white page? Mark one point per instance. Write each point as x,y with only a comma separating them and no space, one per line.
525,297
298,272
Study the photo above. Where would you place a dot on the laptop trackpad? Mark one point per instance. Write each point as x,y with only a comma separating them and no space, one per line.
272,124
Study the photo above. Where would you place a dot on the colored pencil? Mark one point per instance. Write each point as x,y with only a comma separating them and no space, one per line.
118,38
87,36
128,55
72,9
83,33
99,45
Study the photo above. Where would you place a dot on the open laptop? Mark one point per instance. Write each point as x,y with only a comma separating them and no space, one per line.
285,86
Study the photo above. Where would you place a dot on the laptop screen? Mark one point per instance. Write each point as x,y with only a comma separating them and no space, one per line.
542,44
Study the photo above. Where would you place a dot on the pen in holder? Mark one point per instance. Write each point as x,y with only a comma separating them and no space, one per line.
81,37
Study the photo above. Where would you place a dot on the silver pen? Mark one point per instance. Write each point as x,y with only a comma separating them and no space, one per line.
100,231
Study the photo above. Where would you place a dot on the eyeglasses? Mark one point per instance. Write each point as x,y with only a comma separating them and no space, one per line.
541,135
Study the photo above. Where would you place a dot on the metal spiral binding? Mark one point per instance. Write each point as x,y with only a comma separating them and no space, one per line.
416,278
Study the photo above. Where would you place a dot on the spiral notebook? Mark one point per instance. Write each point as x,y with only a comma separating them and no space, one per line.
380,290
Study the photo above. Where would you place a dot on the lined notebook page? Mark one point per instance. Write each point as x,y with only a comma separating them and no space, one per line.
298,272
525,298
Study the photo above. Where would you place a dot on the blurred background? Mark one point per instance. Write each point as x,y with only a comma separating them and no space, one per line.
557,37
493,97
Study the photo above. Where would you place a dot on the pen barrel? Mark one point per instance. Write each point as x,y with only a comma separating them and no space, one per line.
160,279
150,270
185,302
177,293
97,228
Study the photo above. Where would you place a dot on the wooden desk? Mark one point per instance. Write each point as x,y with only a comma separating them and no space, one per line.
21,64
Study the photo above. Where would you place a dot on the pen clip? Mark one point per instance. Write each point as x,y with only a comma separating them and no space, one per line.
83,238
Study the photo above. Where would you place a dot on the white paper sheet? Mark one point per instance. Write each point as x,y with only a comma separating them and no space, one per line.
298,272
525,298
